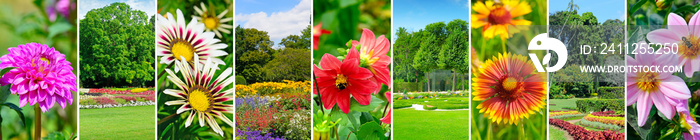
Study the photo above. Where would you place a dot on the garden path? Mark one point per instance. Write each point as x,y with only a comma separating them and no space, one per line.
566,133
574,121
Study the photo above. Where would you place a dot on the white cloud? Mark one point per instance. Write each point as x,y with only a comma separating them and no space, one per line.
279,24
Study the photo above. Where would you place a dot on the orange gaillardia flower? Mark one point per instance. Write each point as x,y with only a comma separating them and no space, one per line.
510,88
495,17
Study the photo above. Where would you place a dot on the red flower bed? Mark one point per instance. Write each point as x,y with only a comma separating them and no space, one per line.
580,133
607,114
104,100
257,119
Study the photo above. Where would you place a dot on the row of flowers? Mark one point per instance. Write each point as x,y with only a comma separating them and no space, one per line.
136,91
599,125
580,133
620,121
559,113
429,95
267,88
115,101
607,114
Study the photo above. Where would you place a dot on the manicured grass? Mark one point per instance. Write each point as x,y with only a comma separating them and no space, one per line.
440,103
559,104
556,134
419,124
135,122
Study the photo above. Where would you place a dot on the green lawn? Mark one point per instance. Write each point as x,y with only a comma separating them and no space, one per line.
134,122
559,104
556,134
441,103
418,124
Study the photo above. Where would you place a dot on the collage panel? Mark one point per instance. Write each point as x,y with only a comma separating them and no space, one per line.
663,84
351,69
117,69
38,69
584,103
431,67
194,58
273,69
509,94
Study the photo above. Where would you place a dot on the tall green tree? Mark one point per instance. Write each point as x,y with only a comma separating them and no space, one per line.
116,47
253,51
455,51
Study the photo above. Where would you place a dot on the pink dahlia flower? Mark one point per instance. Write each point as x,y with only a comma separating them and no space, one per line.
42,75
687,121
373,57
657,88
687,36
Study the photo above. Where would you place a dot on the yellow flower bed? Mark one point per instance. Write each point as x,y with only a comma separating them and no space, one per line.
620,121
137,90
551,114
269,88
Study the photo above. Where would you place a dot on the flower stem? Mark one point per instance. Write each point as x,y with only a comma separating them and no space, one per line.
522,129
37,122
318,102
503,45
162,72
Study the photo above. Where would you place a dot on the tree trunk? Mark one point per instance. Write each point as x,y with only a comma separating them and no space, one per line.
427,80
454,75
463,82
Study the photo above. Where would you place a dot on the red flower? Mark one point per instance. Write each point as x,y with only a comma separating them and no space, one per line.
337,81
317,33
373,57
387,117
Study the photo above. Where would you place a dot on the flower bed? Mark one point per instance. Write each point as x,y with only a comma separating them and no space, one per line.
268,88
580,133
620,121
599,125
107,98
279,116
607,114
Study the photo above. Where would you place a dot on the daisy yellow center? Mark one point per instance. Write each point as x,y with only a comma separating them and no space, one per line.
648,81
341,82
509,83
181,48
499,15
199,100
689,47
211,22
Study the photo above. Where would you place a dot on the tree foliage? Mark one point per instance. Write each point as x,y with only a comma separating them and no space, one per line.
257,61
116,47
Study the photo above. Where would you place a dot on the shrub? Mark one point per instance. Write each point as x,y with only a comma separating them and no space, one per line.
452,106
240,80
611,92
408,86
402,104
588,105
427,107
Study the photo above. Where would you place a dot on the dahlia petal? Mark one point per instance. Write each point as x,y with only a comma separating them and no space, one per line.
663,36
329,61
343,101
643,108
662,105
633,94
674,88
694,24
677,24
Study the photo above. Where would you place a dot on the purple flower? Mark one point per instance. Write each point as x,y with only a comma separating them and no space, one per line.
42,75
64,7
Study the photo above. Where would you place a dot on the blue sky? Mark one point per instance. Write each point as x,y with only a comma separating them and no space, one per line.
602,9
147,6
415,14
280,18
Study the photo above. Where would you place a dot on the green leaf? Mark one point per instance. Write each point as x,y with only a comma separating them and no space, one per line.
374,103
371,131
636,7
366,117
59,27
5,92
18,110
5,70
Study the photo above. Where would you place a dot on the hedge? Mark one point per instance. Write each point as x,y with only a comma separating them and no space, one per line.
429,108
595,105
400,86
611,92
